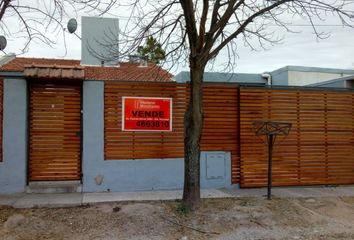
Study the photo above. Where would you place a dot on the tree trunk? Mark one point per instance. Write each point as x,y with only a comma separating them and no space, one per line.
193,124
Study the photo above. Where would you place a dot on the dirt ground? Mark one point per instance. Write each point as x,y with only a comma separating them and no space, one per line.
242,218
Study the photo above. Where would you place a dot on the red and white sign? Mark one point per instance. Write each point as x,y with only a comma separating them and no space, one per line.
146,114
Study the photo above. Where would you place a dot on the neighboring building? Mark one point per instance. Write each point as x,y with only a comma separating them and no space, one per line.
242,78
286,76
344,82
303,76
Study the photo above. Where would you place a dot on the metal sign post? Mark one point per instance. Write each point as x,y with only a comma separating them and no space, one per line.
270,153
271,130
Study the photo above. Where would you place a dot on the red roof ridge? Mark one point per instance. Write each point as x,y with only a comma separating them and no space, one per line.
50,59
34,65
126,71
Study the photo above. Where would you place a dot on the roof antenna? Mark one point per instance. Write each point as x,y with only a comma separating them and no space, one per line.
72,26
3,43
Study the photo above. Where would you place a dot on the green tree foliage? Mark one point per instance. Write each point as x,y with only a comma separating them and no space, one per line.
152,51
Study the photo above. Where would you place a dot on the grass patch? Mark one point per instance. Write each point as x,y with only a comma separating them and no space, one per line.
181,209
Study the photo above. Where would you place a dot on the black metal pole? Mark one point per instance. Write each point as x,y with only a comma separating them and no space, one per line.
270,152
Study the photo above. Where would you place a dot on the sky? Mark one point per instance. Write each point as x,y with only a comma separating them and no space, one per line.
299,49
302,49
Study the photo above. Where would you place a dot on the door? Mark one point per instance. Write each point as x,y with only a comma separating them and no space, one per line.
54,134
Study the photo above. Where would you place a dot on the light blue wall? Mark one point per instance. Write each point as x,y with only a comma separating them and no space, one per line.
224,77
92,155
344,82
338,84
280,77
14,164
136,175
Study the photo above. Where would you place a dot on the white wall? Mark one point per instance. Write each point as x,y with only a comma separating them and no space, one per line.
298,78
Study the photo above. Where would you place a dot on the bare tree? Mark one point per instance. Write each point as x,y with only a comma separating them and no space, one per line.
196,31
42,20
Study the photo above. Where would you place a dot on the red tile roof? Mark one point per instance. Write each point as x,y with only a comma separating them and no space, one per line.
125,72
54,72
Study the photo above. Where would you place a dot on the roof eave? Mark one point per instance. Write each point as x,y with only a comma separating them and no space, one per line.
11,74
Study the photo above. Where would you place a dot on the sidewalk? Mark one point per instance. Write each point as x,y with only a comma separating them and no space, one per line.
24,200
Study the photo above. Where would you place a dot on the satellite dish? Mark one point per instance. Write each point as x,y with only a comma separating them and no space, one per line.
72,25
3,42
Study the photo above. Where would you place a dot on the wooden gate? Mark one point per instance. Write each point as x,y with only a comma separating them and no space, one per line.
55,124
320,147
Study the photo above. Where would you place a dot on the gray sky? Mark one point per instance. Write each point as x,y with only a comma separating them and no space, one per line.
303,49
300,49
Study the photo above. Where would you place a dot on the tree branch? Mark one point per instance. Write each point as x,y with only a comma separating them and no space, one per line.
241,28
4,5
188,12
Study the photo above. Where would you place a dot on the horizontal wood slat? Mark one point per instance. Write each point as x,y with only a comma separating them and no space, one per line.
220,122
55,124
319,148
142,145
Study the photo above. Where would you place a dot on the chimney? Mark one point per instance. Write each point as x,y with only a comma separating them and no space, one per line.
99,41
142,61
134,59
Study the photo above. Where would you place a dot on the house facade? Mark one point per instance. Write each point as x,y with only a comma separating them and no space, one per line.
62,124
106,128
100,125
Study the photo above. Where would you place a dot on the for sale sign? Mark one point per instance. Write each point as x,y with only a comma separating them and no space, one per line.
146,114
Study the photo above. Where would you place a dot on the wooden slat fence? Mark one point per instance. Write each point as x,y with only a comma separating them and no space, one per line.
320,147
142,145
220,122
55,124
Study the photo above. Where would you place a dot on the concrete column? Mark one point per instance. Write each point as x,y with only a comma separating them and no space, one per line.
13,168
93,132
